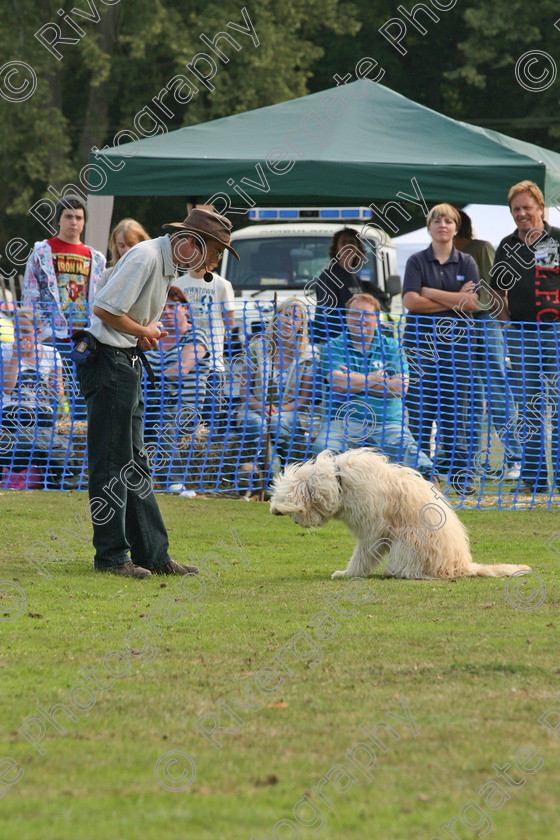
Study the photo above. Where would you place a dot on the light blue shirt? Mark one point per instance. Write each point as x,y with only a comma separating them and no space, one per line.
383,353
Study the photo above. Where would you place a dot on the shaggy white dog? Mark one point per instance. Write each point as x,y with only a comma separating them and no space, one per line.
399,519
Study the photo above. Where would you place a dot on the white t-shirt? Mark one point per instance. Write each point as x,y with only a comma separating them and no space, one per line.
208,303
34,386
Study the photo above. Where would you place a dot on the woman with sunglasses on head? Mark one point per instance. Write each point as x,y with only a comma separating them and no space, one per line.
278,385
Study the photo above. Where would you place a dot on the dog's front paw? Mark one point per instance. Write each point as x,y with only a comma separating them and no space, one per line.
338,574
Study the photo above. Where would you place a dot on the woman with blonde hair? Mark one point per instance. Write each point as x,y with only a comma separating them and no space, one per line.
279,382
123,237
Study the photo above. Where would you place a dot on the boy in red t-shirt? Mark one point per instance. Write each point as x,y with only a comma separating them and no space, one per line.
62,274
71,262
61,279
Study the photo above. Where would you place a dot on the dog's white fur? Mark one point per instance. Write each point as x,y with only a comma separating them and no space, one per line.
381,504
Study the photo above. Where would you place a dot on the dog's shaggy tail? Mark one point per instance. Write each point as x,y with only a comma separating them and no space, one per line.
499,570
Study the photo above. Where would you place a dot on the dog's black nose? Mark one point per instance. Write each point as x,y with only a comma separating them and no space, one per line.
277,513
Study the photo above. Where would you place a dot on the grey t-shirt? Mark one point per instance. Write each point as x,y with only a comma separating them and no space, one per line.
137,287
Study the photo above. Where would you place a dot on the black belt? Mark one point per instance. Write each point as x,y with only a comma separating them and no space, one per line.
147,366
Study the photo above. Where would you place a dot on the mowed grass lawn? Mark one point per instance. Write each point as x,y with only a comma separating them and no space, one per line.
476,674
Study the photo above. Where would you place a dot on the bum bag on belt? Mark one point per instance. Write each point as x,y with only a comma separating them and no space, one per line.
84,347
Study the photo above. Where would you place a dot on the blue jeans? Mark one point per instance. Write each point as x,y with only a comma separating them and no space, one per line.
441,390
491,383
283,430
393,439
124,511
534,354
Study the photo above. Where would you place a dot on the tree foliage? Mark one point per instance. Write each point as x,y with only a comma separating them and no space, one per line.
95,90
463,65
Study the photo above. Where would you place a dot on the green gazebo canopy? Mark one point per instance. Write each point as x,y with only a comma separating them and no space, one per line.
351,144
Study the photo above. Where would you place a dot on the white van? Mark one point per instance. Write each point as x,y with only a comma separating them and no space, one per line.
287,254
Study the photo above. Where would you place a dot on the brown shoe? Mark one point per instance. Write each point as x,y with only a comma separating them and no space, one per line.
127,569
173,568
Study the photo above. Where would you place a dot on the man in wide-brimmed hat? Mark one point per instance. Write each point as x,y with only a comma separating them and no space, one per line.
203,226
125,322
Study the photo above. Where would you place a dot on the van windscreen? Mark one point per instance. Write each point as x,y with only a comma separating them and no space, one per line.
284,262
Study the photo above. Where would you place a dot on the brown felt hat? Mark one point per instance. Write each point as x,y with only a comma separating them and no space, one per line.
208,223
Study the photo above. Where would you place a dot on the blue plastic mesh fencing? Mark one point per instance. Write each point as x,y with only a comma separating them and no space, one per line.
233,403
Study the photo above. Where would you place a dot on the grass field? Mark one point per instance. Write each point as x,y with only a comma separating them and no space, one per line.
476,672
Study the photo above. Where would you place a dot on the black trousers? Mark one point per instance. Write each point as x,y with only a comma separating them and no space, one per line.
124,510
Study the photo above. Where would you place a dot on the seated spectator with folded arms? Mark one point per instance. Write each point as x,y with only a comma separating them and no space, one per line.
365,378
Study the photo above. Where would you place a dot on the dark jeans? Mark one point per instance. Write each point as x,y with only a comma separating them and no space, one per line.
124,511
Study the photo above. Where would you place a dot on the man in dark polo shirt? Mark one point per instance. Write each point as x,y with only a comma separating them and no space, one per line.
526,280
